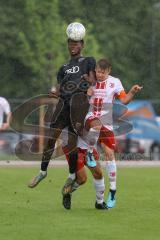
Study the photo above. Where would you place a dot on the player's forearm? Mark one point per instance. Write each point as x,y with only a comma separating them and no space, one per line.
7,123
129,96
8,119
91,77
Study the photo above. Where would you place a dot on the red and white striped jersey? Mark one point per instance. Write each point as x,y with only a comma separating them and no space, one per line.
101,102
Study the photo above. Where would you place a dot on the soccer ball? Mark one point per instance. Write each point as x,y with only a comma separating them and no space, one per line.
76,31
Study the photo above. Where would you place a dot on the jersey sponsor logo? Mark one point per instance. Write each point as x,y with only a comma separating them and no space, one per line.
111,85
73,69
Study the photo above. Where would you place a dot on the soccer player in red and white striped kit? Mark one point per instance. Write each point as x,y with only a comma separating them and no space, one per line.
99,122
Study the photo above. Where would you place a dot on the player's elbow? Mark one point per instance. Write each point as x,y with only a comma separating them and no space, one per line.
125,101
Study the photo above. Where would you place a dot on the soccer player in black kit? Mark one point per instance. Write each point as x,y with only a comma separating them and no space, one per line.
74,79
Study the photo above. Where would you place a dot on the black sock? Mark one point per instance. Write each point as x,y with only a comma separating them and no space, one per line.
113,192
73,157
44,165
46,159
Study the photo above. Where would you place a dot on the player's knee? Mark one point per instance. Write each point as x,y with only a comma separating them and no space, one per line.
98,175
109,155
96,125
82,180
97,128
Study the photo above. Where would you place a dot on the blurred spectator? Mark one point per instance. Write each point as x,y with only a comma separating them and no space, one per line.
5,111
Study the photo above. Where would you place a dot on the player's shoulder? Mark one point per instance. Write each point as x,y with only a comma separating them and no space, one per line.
3,100
114,79
91,62
86,59
64,65
4,103
90,59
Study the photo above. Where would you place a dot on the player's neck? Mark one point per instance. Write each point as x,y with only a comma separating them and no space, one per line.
76,56
103,80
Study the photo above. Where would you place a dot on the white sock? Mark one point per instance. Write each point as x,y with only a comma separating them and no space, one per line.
91,138
72,176
99,187
112,173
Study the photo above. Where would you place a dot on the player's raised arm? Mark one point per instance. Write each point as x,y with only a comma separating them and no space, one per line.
130,95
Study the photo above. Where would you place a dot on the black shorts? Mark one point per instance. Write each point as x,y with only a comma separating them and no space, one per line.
71,113
61,116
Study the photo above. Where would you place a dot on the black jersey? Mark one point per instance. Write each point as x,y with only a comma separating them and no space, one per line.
69,76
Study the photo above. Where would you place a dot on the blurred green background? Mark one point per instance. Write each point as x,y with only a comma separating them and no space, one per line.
33,42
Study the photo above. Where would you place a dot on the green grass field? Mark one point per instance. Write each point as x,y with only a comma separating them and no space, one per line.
37,214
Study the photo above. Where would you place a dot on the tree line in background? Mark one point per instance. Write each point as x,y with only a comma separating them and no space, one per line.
33,42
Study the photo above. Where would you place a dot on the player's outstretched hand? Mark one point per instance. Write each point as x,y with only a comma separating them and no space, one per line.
136,88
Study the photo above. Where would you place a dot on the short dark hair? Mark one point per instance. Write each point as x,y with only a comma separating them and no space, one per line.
103,64
81,41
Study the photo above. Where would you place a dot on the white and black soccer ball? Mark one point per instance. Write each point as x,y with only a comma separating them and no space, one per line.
76,31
